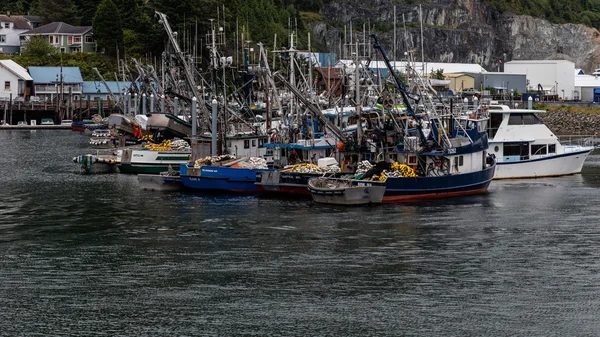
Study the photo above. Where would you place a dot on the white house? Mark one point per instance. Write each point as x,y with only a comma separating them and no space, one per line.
13,79
555,77
11,26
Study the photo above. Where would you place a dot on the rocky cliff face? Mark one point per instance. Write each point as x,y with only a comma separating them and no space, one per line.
459,31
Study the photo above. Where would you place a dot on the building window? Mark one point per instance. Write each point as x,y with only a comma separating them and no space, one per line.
6,85
246,144
2,38
63,50
76,39
253,142
89,39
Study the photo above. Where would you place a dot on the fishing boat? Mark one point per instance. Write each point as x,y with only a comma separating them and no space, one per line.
434,156
80,125
137,161
526,148
293,179
223,173
346,192
96,164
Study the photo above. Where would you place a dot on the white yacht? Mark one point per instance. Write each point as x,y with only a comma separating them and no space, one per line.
526,148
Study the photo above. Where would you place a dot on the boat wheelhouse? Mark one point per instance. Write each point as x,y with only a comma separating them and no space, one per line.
526,148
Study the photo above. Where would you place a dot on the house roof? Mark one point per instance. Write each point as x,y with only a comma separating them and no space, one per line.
18,21
58,28
587,81
537,61
33,18
50,74
16,69
97,87
455,75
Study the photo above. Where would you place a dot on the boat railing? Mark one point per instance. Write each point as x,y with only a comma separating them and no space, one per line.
580,140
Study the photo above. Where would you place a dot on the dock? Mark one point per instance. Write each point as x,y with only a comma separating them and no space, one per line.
36,127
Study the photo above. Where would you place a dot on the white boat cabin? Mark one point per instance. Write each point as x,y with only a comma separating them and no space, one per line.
518,134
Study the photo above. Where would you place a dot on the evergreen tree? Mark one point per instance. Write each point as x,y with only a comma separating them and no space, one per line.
58,11
87,8
107,27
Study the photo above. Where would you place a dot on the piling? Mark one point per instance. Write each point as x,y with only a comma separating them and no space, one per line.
144,104
151,103
530,103
175,106
135,104
213,144
162,104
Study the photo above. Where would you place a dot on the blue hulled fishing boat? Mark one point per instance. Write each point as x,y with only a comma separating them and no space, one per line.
438,155
223,174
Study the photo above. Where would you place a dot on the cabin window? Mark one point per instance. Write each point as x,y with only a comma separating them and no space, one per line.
253,142
7,25
458,161
552,148
247,144
516,149
412,160
261,142
6,85
229,144
538,149
523,119
495,121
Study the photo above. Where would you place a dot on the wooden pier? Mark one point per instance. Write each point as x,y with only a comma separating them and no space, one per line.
73,110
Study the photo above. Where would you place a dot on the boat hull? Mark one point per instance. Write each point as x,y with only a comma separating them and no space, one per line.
553,166
220,178
135,161
423,188
92,164
281,182
157,182
343,193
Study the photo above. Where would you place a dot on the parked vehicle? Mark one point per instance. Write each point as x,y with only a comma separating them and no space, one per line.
47,121
35,99
19,99
470,92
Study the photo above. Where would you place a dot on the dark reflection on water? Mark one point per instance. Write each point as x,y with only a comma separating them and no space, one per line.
94,255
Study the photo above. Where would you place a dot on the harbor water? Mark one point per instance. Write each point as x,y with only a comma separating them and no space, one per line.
95,255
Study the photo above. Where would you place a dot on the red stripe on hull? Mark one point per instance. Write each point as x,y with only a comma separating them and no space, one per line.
417,197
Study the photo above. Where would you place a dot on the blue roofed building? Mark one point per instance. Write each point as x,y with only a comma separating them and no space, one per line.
48,81
96,89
